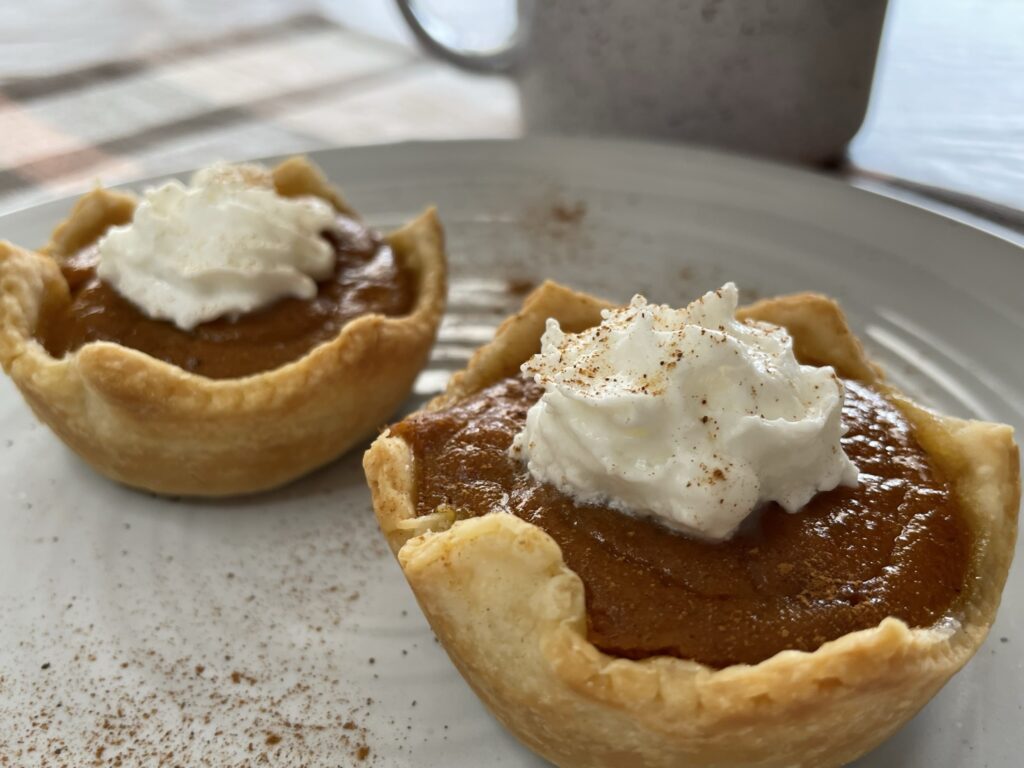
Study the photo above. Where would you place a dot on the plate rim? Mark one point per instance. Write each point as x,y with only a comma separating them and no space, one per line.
871,188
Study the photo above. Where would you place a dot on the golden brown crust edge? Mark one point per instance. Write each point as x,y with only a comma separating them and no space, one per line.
511,614
152,425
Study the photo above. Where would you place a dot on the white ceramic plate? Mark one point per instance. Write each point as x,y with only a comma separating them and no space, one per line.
278,630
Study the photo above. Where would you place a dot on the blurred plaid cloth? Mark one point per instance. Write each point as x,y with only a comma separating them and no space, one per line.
299,85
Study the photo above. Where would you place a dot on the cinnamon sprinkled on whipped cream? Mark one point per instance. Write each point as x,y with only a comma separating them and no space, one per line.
686,415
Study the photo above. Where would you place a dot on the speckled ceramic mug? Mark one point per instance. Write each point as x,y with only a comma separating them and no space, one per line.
784,78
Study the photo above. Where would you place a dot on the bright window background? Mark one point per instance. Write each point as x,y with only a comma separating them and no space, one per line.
947,111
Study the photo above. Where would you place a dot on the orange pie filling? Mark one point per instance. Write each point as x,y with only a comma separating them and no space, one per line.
367,278
894,545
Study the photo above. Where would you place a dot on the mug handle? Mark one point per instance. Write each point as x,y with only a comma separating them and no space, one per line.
430,35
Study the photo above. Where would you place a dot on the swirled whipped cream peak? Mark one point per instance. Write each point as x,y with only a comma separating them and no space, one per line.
690,416
224,245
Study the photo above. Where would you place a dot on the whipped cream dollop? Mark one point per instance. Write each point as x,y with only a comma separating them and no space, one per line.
687,415
223,245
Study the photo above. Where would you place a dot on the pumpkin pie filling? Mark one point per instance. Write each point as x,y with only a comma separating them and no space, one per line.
894,545
367,279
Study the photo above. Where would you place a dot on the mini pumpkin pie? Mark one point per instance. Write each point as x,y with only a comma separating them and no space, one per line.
656,620
221,338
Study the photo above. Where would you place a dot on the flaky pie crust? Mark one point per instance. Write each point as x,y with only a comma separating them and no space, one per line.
152,425
511,614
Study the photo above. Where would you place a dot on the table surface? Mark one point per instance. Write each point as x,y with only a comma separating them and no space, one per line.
116,90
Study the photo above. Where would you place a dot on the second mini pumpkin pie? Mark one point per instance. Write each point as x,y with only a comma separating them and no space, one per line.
579,538
221,338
